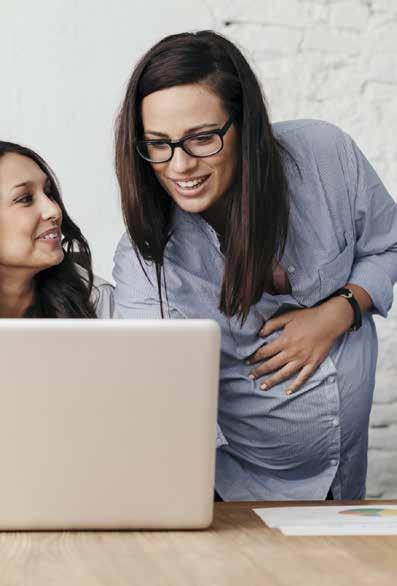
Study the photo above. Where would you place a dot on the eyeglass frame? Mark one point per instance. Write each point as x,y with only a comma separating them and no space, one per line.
179,143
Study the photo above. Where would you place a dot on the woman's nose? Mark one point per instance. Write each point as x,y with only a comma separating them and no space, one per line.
182,162
50,209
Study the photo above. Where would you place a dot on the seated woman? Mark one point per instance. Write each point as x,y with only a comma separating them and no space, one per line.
38,245
285,236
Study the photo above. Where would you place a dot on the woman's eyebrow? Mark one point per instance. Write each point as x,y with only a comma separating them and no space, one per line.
29,182
22,184
188,131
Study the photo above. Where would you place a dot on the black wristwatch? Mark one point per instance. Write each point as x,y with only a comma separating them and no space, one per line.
348,295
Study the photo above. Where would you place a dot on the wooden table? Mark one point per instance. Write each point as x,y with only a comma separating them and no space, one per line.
238,550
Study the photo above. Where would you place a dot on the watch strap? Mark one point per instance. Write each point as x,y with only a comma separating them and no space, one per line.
348,295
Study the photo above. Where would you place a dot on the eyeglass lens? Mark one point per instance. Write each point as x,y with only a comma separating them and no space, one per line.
199,146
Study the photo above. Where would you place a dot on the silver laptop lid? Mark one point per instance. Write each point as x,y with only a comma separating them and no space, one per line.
107,423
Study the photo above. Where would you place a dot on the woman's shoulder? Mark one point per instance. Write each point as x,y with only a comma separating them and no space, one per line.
310,134
102,294
318,146
98,282
130,268
310,127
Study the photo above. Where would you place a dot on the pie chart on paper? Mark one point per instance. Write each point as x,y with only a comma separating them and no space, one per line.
369,512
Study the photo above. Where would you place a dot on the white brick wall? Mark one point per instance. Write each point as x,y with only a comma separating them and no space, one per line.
335,60
65,64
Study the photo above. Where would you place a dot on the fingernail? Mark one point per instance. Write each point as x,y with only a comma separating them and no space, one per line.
264,387
288,392
251,377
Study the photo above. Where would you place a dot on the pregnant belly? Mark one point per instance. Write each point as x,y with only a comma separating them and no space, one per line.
306,430
280,432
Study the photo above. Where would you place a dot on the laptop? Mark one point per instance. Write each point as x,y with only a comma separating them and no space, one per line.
108,424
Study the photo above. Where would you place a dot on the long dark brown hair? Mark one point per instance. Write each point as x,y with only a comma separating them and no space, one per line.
61,291
258,206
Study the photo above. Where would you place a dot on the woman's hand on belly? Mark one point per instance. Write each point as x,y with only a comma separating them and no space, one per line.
306,339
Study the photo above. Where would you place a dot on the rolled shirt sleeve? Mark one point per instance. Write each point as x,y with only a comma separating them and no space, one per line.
104,301
102,295
375,220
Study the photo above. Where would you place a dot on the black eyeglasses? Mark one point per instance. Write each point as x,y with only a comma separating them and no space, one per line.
201,145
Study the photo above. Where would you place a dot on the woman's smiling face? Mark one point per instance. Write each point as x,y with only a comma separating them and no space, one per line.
30,220
195,184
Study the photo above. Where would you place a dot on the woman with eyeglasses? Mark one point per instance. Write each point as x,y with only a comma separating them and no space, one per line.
39,244
283,234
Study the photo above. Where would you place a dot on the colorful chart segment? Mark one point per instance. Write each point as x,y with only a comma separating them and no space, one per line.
375,512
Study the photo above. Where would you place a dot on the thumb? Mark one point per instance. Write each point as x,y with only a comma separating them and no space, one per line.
275,324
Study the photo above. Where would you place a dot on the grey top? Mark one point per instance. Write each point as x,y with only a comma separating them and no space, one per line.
343,228
102,296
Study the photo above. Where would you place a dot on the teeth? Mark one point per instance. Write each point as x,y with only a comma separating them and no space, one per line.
51,236
191,184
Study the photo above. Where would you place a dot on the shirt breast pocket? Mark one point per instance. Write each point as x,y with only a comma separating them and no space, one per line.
335,273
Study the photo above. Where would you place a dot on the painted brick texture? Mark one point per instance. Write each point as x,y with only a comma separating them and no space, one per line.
337,61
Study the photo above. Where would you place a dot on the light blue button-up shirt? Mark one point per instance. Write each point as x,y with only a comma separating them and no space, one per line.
343,228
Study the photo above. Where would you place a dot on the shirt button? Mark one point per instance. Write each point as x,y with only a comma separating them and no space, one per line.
331,379
334,462
335,422
291,269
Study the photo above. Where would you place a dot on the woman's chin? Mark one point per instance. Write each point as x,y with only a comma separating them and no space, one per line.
60,257
192,205
52,261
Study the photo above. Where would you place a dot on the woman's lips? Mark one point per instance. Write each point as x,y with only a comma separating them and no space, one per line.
191,187
51,237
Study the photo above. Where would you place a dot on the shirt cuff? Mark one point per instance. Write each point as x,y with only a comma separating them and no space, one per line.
367,274
220,438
